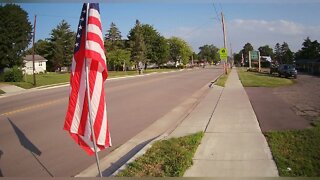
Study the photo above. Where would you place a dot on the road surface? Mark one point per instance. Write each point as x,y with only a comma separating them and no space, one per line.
33,144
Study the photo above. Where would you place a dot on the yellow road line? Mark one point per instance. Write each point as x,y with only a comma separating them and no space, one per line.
33,107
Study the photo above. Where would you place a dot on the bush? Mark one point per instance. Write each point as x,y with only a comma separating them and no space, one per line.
13,75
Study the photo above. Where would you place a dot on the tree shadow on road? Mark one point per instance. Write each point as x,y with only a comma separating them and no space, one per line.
27,144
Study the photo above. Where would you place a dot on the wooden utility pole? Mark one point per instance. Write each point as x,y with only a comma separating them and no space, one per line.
33,49
224,41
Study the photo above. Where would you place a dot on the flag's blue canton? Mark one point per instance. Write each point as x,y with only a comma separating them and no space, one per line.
81,27
94,6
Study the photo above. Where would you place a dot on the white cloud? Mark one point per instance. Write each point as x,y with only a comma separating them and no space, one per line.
241,31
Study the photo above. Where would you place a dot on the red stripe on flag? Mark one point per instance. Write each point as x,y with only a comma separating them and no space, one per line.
95,21
94,37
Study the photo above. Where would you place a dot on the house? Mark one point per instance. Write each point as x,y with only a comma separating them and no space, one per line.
39,63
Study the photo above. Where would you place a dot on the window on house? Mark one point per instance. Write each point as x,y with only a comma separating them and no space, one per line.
40,63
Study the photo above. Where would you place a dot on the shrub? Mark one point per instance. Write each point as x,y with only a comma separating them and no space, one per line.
13,75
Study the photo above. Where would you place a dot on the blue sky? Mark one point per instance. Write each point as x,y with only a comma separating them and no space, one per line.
260,22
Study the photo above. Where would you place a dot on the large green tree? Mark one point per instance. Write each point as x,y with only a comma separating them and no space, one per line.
266,51
119,58
209,53
180,51
137,44
15,35
160,51
310,50
245,51
62,44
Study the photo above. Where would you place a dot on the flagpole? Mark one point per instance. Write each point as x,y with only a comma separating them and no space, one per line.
89,100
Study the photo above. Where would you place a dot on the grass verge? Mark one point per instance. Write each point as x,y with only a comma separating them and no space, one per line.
223,79
1,92
167,158
56,78
296,153
255,79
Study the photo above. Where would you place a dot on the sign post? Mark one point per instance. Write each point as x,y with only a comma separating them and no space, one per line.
254,56
224,56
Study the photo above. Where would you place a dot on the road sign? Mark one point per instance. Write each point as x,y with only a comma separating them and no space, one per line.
254,55
223,54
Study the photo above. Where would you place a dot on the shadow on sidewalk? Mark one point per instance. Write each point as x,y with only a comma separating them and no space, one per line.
27,144
116,165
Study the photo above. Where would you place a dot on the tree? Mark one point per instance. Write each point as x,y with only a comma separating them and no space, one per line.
160,51
277,53
209,53
15,35
62,44
113,38
286,54
310,50
245,51
137,44
180,51
119,58
266,51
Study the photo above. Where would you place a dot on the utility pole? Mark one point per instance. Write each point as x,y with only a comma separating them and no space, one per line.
224,41
33,49
231,55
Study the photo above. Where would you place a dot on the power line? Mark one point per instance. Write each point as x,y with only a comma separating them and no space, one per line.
215,9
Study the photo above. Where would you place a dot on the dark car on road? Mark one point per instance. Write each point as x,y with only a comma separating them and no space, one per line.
287,70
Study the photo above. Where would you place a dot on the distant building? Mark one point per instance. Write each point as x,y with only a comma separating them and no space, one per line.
40,64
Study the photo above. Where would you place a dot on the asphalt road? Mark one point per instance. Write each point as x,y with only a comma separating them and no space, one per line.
33,144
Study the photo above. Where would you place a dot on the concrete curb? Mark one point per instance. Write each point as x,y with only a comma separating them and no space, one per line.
138,145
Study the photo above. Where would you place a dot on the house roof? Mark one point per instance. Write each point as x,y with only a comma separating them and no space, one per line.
36,58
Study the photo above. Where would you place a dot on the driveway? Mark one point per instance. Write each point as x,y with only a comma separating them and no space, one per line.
289,107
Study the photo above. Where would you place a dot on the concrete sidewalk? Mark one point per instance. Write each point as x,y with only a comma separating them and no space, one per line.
233,145
11,89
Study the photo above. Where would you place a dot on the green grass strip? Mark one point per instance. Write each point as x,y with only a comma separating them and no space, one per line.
52,78
167,158
223,79
255,79
296,153
2,92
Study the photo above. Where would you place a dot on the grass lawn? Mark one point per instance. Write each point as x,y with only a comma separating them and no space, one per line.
167,158
55,78
255,79
296,153
1,92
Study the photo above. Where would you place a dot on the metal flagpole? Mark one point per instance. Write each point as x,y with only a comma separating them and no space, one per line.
89,101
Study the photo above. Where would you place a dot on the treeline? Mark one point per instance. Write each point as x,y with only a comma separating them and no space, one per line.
282,54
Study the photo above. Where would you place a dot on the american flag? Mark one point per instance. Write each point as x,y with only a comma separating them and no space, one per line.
77,121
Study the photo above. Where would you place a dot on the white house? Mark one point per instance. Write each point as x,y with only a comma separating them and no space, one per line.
39,63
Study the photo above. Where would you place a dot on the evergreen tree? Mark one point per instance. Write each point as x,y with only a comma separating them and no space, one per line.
310,50
277,53
137,44
113,38
62,45
15,35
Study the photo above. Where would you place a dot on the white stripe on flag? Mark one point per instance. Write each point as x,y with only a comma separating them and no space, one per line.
94,46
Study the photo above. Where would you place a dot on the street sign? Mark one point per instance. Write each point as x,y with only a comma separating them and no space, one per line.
223,54
254,55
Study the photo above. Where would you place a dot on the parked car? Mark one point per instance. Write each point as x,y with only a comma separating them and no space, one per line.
287,70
